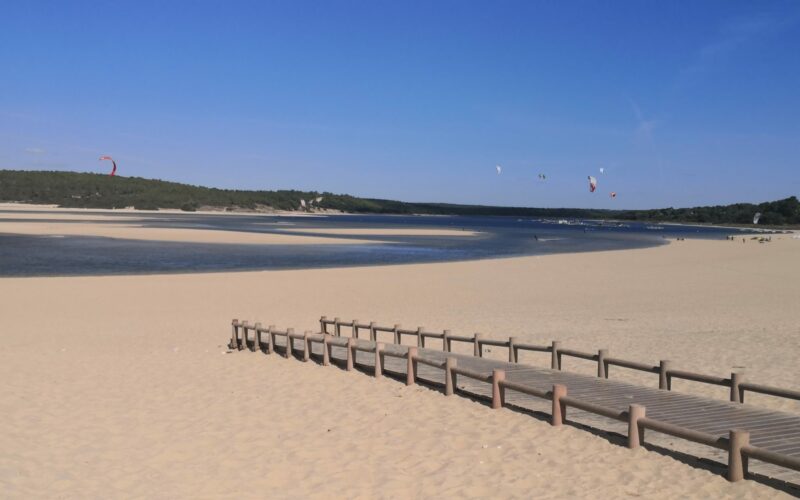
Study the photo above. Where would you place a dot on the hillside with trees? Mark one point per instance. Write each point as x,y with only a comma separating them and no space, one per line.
84,190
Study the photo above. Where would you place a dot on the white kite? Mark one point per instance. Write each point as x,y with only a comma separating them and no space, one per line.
303,203
756,217
499,169
602,170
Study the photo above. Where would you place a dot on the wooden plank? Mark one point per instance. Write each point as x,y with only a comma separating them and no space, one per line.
771,430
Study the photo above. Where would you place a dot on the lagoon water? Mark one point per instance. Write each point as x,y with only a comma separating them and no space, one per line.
500,237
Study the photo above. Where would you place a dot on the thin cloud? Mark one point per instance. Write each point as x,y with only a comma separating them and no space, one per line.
35,151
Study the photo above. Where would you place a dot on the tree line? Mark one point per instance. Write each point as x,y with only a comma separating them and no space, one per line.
85,190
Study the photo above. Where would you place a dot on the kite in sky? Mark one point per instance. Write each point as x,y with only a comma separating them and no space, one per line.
114,168
613,194
592,184
499,169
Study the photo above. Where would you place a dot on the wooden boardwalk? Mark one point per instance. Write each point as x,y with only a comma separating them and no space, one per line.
772,430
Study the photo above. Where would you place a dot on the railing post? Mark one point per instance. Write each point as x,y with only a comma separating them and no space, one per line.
411,366
351,353
737,394
512,349
270,340
257,339
498,391
602,354
635,433
663,375
326,353
559,412
379,359
420,339
234,343
737,461
396,331
243,343
372,333
323,325
337,328
271,346
555,357
355,329
478,349
289,344
306,346
449,377
446,341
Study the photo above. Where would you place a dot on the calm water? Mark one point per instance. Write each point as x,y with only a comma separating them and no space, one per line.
501,237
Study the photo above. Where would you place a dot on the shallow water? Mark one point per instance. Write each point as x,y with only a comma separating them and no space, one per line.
500,237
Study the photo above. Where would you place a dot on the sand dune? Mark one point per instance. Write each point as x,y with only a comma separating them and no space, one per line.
120,387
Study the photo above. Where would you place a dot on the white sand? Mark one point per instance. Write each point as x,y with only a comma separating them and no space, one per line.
136,232
116,387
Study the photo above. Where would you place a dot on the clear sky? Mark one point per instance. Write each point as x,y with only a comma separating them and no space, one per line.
682,103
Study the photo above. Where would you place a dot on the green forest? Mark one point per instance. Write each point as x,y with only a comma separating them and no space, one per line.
84,190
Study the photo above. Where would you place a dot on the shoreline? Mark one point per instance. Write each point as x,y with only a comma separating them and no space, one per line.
291,213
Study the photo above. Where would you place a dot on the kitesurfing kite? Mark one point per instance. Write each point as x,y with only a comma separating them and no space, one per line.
592,184
542,177
602,170
114,168
499,169
318,199
302,203
613,194
756,217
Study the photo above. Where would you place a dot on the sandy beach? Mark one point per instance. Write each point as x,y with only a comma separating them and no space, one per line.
121,386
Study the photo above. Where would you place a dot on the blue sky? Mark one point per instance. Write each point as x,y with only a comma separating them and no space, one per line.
682,103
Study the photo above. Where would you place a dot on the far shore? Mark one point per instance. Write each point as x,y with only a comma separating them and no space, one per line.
327,212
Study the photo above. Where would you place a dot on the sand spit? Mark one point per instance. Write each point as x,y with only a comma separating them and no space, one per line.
137,232
389,231
120,386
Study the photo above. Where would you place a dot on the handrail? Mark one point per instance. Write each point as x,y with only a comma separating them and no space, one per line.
772,457
736,444
525,389
684,433
534,347
593,408
496,343
771,391
429,362
577,354
472,374
664,370
633,365
697,377
460,338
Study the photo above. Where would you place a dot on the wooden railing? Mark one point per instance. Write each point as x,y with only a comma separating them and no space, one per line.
736,382
736,443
